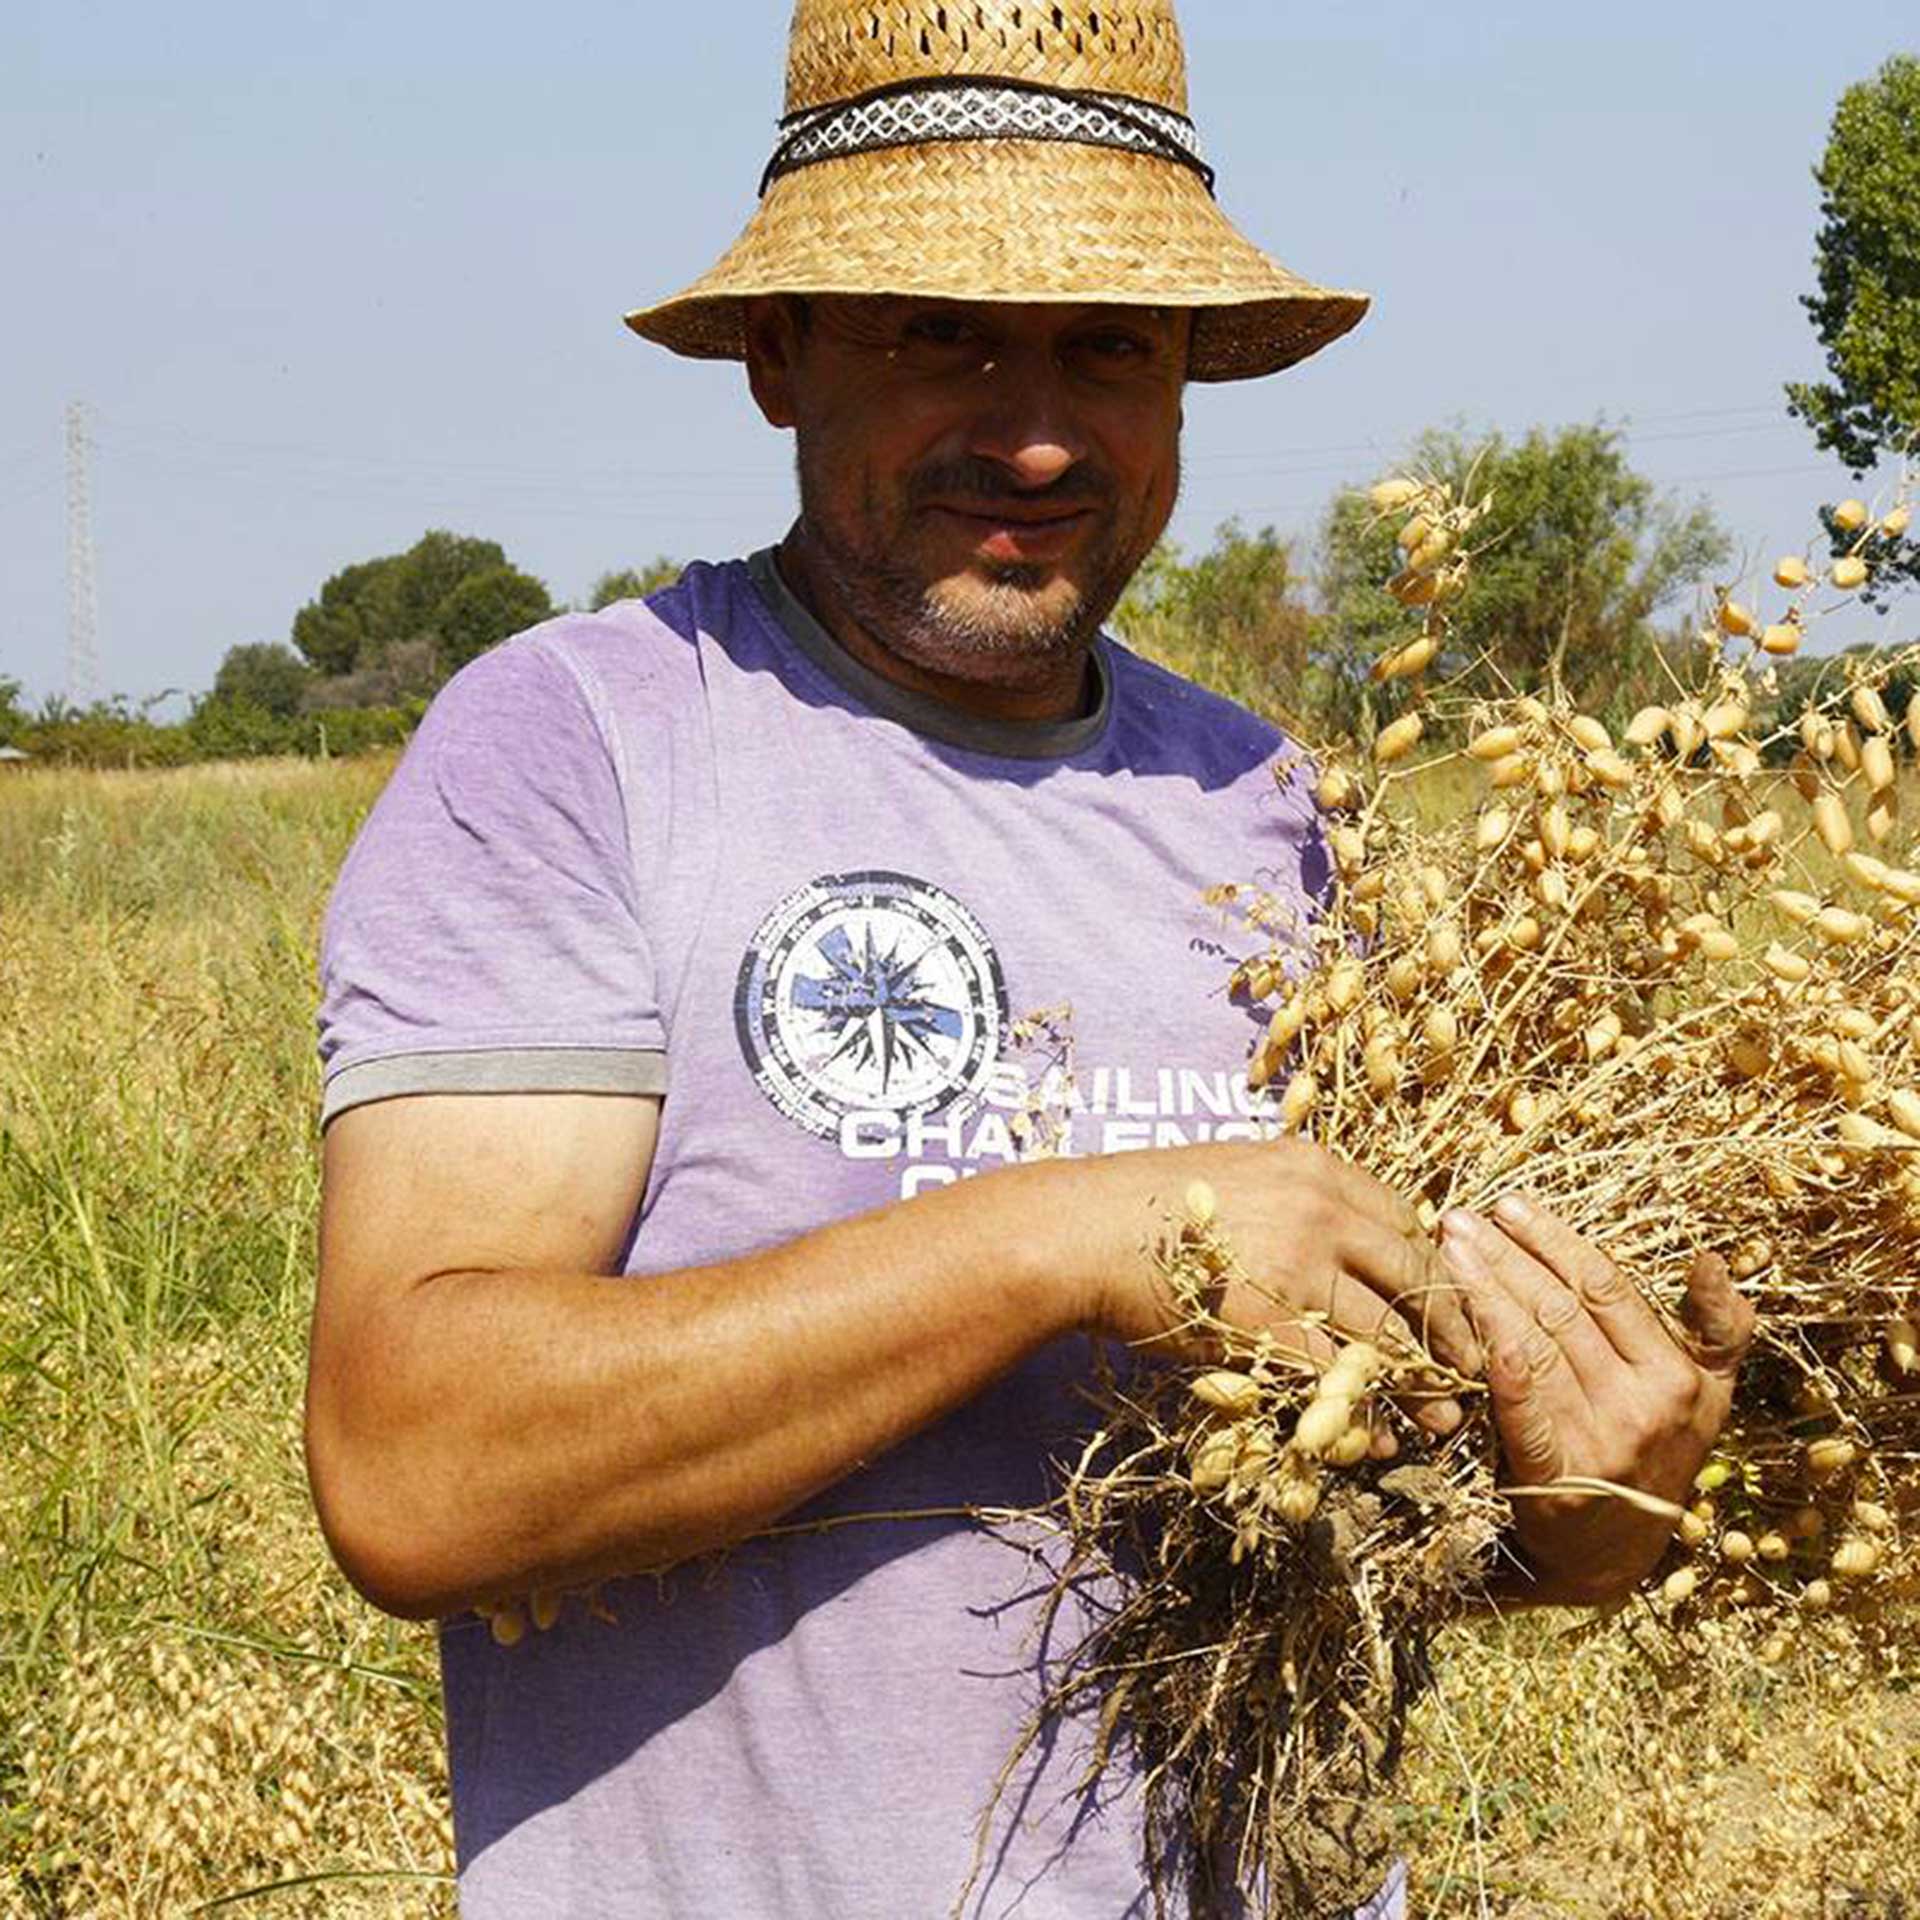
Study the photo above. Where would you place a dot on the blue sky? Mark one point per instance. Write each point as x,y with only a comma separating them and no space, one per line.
331,275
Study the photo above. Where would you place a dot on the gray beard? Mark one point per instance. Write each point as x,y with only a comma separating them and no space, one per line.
1008,640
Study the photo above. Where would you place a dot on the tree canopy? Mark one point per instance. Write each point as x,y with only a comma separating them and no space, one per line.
1866,310
629,584
367,610
484,609
353,615
265,674
1576,560
1232,619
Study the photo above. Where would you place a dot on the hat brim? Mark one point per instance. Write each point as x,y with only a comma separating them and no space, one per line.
1012,220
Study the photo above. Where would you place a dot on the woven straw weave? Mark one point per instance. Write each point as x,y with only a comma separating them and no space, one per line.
1005,219
837,51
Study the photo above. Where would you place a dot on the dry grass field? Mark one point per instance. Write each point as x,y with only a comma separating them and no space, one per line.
196,1712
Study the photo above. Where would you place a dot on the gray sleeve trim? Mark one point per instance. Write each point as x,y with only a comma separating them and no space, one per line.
497,1070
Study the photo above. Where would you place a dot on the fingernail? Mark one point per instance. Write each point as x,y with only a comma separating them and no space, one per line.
1457,1220
1514,1207
1448,1416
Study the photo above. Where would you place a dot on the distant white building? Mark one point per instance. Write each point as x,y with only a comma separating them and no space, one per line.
12,755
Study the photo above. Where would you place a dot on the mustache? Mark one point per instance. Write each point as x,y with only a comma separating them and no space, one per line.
985,481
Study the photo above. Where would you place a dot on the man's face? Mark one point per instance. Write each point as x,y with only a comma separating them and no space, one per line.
978,481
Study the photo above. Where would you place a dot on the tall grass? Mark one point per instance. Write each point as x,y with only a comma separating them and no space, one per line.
192,1704
195,1708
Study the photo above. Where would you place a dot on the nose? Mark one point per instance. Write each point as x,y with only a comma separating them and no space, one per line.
1025,422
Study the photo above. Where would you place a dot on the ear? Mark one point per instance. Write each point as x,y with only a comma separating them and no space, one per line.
773,347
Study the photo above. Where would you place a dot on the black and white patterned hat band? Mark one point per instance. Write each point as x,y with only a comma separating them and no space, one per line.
959,109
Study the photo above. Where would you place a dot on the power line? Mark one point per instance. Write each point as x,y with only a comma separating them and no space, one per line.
1306,503
412,467
1753,473
602,495
1376,451
652,476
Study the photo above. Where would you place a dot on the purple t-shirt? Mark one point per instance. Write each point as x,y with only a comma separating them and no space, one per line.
864,946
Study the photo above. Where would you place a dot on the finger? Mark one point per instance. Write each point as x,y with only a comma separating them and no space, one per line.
1389,1249
1302,1344
1407,1269
1372,1200
1720,1320
1529,1435
1610,1298
1519,1364
1477,1248
1292,1331
1505,1321
1359,1309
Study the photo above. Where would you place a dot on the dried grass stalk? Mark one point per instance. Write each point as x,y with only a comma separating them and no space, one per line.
1666,988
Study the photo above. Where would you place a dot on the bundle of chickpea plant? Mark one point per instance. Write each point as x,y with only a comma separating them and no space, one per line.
1671,990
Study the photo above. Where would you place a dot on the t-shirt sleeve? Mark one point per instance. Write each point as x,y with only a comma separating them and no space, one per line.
485,933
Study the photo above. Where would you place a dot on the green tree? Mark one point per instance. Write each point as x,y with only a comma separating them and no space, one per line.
353,614
484,609
626,584
407,669
228,729
427,573
1867,309
265,674
1575,561
1232,619
13,718
109,733
367,609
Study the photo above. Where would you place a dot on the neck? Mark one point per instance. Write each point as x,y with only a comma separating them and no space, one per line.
1064,694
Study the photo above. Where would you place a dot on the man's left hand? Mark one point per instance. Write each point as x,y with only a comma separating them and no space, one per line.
1587,1383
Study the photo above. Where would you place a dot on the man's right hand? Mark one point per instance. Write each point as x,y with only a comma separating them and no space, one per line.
1310,1235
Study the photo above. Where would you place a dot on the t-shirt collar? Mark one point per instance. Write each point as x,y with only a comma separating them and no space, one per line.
920,712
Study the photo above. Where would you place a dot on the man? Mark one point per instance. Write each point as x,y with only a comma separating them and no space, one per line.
696,961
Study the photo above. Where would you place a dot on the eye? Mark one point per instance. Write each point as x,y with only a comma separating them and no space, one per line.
938,330
1116,345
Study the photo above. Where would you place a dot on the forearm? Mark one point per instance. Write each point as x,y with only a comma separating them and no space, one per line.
616,1424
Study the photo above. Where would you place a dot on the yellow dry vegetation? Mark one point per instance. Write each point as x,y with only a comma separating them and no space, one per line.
1564,1772
194,1705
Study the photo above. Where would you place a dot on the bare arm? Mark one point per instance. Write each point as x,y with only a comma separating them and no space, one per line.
487,1411
486,1408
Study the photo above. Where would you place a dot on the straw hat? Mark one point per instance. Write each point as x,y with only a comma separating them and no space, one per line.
998,150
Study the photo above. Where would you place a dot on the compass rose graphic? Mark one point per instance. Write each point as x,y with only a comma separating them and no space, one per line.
878,1002
869,992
